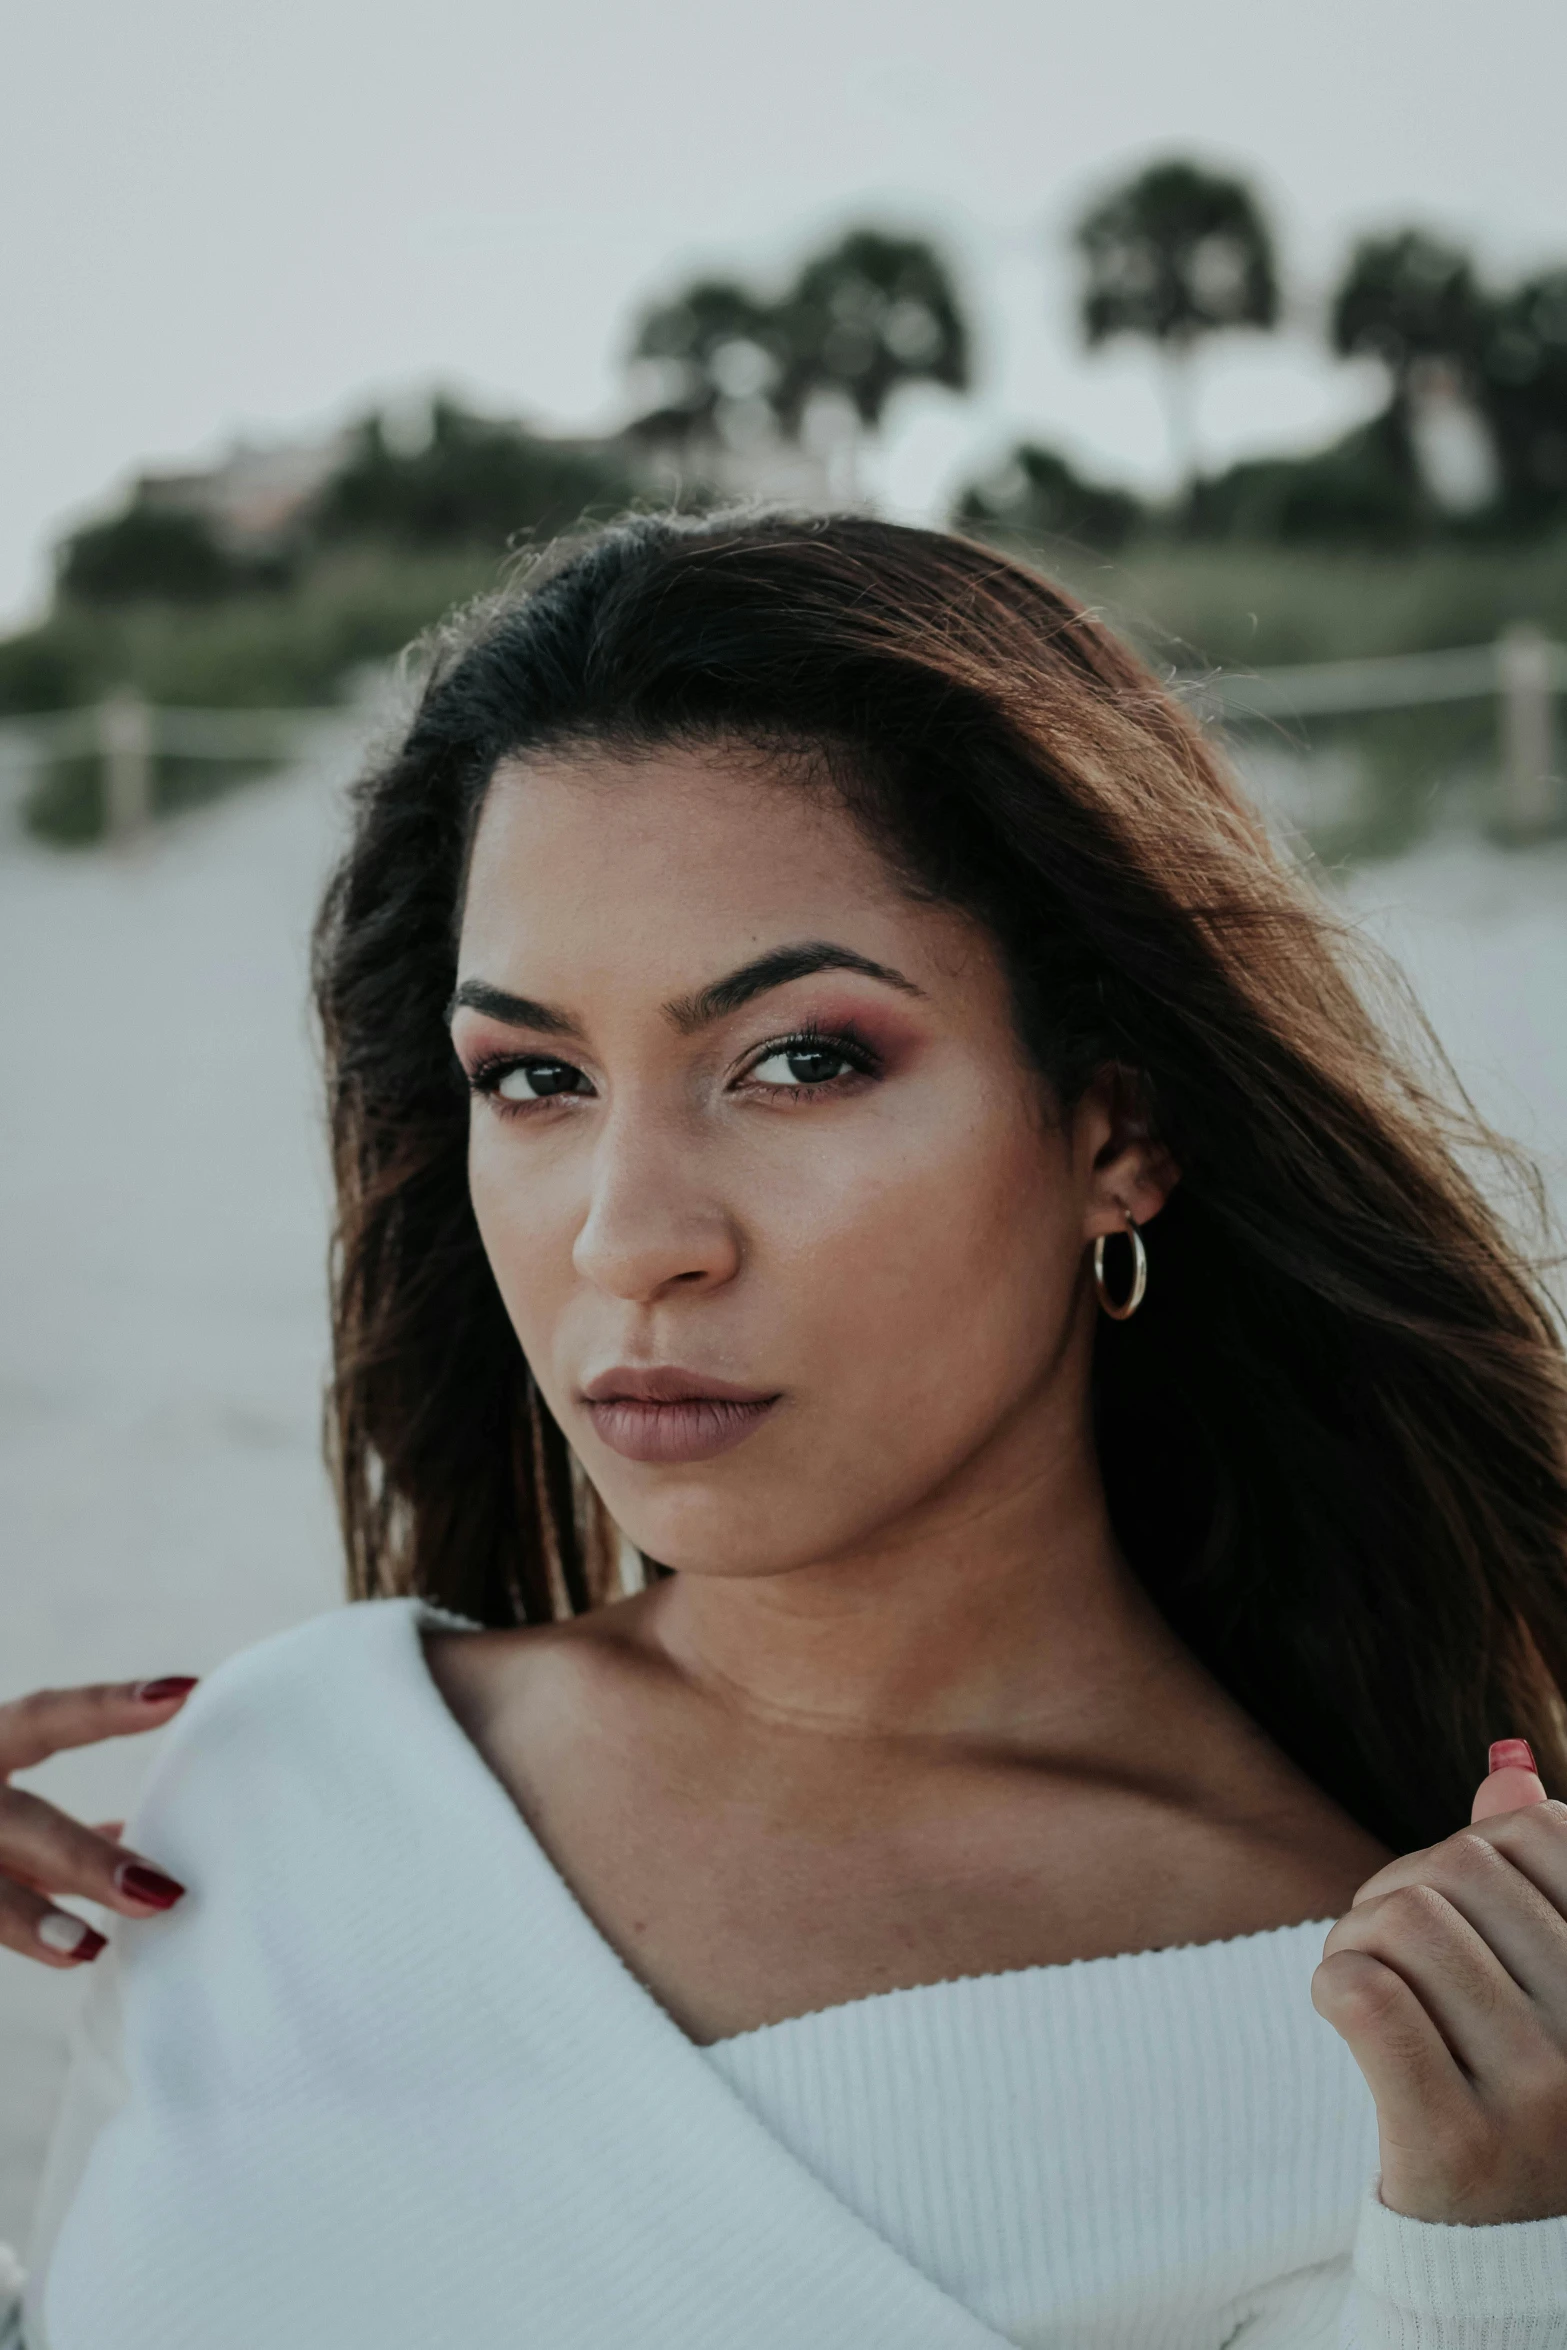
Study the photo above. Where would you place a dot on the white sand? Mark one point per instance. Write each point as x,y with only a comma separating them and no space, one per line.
162,1235
162,1240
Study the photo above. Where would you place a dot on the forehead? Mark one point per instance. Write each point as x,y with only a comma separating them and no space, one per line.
597,847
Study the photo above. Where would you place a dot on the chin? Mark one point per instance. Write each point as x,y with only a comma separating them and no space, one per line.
733,1535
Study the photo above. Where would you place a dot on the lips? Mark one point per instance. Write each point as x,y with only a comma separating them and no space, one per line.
668,1415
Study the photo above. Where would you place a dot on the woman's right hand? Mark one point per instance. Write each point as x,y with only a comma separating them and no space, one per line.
44,1851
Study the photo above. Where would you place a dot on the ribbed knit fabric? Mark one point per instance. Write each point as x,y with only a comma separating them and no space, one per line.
1134,2150
1439,2288
383,2086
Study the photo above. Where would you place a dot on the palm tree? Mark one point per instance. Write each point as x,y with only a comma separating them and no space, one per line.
868,314
1407,300
1413,303
871,313
1522,390
1175,255
717,351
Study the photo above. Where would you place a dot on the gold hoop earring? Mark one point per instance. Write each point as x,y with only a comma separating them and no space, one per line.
1135,1295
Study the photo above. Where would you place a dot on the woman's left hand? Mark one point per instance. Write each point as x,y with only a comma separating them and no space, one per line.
1448,1980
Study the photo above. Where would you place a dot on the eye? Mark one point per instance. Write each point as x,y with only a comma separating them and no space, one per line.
799,1063
534,1080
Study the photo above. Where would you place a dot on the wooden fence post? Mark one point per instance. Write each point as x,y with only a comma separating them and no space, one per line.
125,740
1525,668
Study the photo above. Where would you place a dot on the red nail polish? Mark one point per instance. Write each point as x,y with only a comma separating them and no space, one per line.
158,1692
57,1933
67,1935
148,1884
1511,1754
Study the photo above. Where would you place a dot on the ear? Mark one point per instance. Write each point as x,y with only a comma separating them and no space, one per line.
1129,1171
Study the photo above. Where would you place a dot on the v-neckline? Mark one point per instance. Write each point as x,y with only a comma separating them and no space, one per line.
426,1615
761,2226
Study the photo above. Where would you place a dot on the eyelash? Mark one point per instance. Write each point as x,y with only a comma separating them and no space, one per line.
846,1042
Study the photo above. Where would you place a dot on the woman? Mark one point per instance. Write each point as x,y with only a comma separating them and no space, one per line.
852,1148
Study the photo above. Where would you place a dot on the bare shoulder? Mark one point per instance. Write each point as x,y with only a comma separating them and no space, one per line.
1307,1863
1204,1828
1264,1826
589,1727
484,1675
1276,1845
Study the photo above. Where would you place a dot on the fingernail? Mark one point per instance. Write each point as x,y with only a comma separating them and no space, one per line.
1511,1754
69,1937
148,1884
158,1692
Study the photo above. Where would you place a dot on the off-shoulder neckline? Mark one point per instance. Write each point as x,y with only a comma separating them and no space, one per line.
426,1615
1258,1941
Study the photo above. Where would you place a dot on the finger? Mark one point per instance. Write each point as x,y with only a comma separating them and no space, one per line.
112,1830
49,1720
1511,1783
1484,2017
1506,1791
37,1929
1512,1913
1533,1837
1417,2085
53,1853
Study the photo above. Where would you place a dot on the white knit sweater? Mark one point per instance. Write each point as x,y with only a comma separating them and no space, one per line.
379,2084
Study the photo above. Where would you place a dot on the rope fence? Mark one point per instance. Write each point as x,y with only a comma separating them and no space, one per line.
1523,672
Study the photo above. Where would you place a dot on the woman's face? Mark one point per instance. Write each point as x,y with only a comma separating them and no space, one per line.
785,1223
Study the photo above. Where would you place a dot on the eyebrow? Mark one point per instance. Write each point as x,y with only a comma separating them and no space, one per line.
689,1013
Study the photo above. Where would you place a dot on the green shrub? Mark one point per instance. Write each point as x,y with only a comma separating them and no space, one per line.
149,553
1034,493
65,804
1365,489
256,651
1251,607
476,482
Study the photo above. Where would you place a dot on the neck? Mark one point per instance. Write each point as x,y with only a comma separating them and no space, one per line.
1000,1610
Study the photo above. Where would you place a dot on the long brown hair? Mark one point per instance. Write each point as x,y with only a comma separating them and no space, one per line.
1335,1437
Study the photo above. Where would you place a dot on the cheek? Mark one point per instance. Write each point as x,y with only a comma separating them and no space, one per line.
526,1233
910,1294
945,1272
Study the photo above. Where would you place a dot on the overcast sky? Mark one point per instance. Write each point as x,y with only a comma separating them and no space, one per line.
223,219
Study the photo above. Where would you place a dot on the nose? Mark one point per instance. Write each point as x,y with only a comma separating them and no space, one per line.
653,1222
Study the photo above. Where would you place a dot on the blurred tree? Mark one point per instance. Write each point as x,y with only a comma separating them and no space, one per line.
1413,303
40,672
1522,391
1036,494
715,353
148,554
1361,491
1410,301
475,482
1175,255
869,314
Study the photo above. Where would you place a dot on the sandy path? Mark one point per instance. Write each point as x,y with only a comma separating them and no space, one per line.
162,1221
162,1233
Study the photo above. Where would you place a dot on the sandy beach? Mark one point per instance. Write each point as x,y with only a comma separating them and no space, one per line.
162,1241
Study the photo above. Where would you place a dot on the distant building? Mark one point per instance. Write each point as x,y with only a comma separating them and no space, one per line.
255,497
